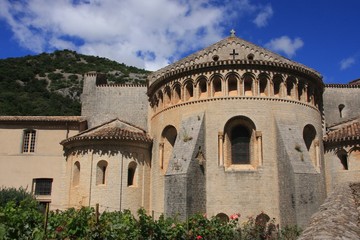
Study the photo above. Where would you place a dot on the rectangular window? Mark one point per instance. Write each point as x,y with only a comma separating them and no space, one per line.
29,141
42,186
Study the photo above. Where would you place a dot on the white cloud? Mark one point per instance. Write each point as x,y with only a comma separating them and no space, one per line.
346,63
264,15
285,45
163,30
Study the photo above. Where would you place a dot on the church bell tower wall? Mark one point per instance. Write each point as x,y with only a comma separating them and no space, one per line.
102,102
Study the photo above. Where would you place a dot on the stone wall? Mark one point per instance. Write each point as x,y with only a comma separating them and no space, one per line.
336,94
185,184
338,217
102,103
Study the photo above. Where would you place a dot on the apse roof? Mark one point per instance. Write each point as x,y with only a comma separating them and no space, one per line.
115,129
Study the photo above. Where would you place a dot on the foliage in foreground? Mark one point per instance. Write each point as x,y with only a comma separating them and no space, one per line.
24,220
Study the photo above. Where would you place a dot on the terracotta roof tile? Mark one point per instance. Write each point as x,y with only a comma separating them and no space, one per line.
344,131
42,118
113,130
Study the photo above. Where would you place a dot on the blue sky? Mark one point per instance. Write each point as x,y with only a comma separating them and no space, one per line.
321,34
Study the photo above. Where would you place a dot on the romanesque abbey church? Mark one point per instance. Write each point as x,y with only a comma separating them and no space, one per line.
232,128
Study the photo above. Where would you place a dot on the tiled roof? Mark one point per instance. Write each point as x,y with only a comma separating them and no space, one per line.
112,130
345,131
42,118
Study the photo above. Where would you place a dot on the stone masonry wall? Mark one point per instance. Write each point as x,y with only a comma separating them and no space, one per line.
338,217
185,177
334,96
102,103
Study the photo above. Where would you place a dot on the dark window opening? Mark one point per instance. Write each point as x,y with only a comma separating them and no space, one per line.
240,145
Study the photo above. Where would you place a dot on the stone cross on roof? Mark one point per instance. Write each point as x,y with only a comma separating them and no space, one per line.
232,32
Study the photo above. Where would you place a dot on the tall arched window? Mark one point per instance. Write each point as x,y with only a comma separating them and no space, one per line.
168,138
341,108
248,85
301,89
76,173
290,87
177,94
202,85
167,97
343,157
161,100
217,86
277,81
240,145
263,80
189,91
232,85
240,142
101,172
309,135
131,174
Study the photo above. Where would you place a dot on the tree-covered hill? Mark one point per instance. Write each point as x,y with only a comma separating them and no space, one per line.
51,83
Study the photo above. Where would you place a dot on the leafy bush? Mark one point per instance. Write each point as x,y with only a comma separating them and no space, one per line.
21,220
13,194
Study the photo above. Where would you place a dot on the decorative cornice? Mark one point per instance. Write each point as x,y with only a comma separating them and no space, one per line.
342,86
42,119
234,98
230,65
122,85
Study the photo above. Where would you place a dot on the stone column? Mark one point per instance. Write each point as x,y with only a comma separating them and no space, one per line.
161,153
220,149
259,146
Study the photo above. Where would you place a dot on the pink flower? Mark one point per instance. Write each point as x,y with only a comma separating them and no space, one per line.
235,216
205,215
199,237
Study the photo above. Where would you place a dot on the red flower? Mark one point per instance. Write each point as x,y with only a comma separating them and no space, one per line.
199,237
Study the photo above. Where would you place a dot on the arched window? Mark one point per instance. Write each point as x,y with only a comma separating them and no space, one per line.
290,87
341,108
277,81
161,100
101,172
240,145
189,91
310,94
301,89
131,174
232,85
29,138
263,85
177,94
248,85
309,135
217,86
168,138
202,88
240,142
76,173
343,157
167,97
